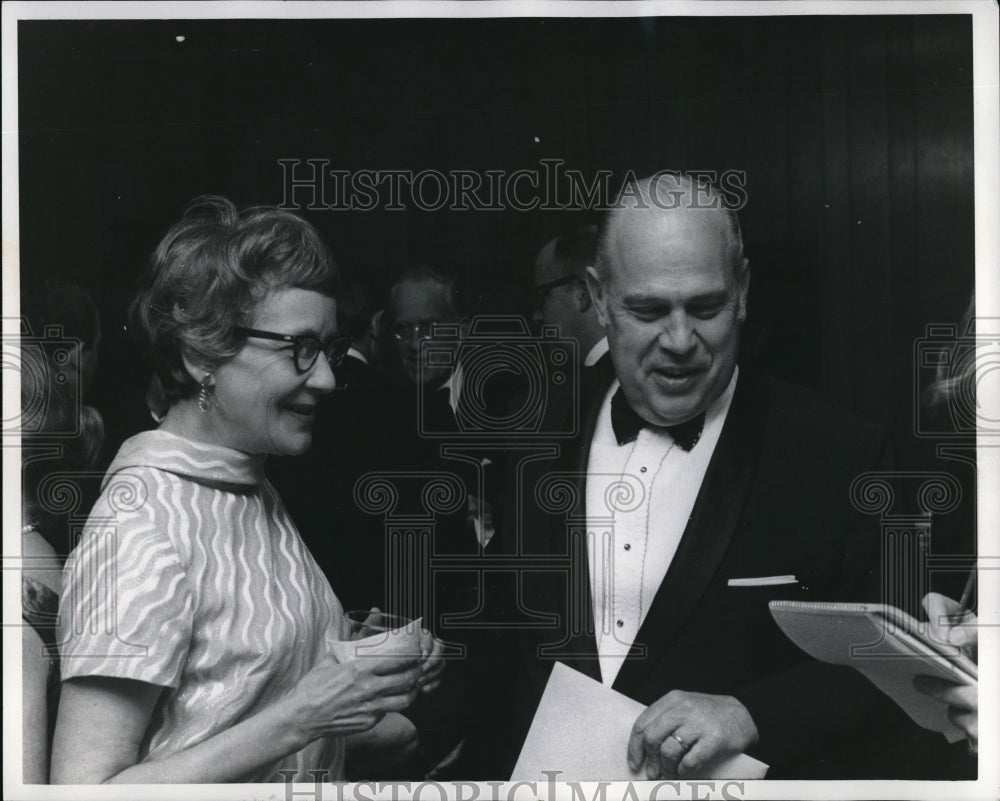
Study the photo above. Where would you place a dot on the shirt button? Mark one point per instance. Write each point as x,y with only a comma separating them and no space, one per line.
620,623
628,546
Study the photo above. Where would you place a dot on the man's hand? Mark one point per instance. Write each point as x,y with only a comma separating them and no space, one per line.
677,735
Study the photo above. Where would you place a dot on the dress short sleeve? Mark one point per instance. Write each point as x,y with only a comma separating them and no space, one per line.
126,609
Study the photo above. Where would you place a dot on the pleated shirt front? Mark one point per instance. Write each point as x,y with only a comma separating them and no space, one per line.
191,576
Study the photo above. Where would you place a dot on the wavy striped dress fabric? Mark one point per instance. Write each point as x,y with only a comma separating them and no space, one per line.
190,575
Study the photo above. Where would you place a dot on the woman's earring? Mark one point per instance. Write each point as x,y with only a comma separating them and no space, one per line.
205,394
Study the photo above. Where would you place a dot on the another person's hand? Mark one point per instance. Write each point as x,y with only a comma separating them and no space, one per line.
962,701
681,732
952,625
335,699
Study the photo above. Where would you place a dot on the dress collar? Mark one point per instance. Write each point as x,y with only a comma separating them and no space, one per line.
197,460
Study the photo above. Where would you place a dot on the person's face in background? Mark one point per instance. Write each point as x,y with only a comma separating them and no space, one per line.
672,305
414,308
559,304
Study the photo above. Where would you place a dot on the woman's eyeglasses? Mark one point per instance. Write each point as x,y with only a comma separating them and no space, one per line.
305,347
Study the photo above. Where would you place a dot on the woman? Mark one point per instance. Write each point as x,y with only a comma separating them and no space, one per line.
196,627
51,416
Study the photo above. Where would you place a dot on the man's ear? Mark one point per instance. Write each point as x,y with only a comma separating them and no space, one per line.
744,290
598,296
582,297
375,324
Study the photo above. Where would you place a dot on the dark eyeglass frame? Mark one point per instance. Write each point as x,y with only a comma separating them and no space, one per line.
542,292
335,350
445,330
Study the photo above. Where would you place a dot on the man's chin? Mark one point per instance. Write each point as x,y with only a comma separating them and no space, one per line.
674,411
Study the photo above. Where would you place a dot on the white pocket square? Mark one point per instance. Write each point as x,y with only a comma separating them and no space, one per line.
762,581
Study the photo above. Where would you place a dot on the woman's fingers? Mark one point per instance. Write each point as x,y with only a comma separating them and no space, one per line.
394,703
387,665
393,683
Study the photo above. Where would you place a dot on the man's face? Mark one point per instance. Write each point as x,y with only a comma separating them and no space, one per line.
672,306
558,304
416,306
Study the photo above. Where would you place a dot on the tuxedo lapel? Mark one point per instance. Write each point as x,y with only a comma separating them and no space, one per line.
710,529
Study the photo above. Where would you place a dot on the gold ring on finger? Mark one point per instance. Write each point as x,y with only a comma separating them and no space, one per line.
683,744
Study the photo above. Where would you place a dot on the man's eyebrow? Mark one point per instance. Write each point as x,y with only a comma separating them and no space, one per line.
657,301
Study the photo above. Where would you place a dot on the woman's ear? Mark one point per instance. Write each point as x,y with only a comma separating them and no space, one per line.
194,366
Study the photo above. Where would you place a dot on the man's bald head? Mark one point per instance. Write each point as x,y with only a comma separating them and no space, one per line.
670,288
691,201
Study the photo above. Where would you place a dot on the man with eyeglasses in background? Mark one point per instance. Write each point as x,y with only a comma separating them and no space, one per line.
561,295
423,304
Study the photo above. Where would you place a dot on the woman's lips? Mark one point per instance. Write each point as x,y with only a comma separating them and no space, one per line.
301,409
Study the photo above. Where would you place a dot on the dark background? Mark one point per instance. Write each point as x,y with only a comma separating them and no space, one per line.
855,134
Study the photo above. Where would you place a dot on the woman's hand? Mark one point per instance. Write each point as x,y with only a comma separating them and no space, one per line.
431,661
431,649
335,699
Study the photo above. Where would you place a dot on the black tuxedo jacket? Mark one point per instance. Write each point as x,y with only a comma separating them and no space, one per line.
774,502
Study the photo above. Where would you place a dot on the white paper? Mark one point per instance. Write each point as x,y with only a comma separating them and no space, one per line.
398,642
582,728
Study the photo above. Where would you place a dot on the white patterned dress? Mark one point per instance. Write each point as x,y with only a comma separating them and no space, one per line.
191,576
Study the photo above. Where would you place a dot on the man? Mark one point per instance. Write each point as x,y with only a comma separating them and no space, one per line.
706,492
358,312
562,296
423,304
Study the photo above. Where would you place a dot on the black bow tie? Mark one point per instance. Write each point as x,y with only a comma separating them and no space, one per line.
627,424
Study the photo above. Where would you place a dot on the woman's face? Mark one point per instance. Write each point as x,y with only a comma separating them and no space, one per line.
263,403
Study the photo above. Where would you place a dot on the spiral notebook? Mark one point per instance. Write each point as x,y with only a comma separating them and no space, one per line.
884,644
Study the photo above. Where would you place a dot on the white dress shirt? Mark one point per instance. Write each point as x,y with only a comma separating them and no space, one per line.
357,354
639,498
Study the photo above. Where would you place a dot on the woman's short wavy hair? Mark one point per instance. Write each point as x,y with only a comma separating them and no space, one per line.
209,274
